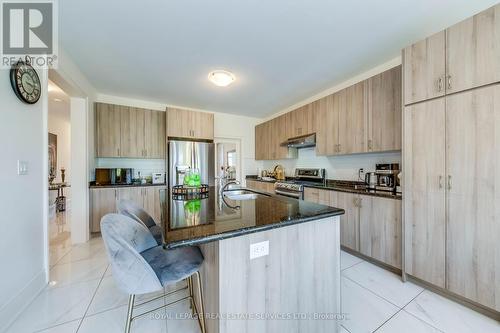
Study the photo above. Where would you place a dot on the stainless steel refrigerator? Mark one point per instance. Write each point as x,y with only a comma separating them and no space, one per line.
183,155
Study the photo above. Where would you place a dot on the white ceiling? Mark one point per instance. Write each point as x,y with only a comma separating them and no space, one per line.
281,51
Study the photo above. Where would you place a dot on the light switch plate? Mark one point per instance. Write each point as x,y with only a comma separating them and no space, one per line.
22,168
258,250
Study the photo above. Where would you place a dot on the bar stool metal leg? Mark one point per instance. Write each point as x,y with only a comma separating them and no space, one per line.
128,324
201,314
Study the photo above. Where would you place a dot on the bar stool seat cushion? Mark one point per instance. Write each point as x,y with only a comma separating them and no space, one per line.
173,265
156,232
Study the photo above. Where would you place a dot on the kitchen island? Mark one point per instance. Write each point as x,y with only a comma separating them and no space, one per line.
272,264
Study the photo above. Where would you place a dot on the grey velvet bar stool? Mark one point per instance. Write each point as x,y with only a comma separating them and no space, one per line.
131,209
140,266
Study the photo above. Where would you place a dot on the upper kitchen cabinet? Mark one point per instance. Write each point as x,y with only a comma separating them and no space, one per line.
327,130
425,69
277,137
464,56
124,131
154,134
384,111
473,51
261,141
351,123
108,130
300,122
132,138
190,124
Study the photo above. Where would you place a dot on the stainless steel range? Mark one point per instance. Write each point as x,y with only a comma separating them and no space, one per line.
294,188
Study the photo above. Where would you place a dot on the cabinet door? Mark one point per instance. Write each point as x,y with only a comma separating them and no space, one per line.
262,141
179,123
134,194
316,195
108,130
300,122
425,69
424,192
327,119
102,202
202,125
380,229
252,184
384,111
154,134
349,222
152,202
132,131
473,51
473,168
277,135
352,120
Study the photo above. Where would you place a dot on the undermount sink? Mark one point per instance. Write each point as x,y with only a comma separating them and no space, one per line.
241,194
239,197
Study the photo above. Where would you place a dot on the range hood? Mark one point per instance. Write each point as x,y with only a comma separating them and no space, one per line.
304,141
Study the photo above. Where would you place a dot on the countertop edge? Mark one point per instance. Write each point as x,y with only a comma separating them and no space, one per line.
125,185
250,230
379,194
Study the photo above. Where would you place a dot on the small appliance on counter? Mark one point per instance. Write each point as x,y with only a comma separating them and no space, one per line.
387,176
158,178
115,176
371,180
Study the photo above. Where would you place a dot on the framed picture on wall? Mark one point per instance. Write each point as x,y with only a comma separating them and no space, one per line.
52,157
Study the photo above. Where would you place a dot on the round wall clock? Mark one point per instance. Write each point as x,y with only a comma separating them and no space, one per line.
25,82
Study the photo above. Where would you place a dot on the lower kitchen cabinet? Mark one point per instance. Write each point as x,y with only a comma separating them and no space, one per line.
380,229
371,225
103,201
260,186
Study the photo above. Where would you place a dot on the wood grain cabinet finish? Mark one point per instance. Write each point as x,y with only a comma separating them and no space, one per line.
352,124
463,57
124,131
108,130
473,51
473,195
380,229
190,124
262,141
260,186
384,111
103,201
425,69
424,190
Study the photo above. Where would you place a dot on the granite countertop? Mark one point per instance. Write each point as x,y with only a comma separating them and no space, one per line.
93,185
195,222
344,186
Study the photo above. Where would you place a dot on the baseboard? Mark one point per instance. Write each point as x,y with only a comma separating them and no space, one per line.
14,307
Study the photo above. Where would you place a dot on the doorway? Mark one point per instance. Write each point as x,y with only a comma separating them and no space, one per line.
59,173
228,159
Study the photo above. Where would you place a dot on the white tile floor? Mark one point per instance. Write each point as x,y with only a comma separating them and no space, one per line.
85,299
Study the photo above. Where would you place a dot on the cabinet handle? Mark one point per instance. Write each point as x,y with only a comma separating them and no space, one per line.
145,152
360,202
440,84
440,181
449,82
449,182
370,145
118,151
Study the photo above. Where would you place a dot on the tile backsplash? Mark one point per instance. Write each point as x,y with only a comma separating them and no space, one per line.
344,167
145,166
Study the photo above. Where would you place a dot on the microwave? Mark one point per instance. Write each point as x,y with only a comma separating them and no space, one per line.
115,176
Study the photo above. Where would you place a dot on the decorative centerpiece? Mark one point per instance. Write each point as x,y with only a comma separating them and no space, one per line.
192,188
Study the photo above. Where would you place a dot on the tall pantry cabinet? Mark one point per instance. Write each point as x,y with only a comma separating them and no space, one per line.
451,159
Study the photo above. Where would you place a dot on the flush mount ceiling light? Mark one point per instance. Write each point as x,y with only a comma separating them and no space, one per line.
221,77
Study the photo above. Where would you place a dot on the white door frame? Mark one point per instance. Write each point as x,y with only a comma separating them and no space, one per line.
235,141
79,177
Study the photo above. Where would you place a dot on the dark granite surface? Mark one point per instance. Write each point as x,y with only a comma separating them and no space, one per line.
346,186
93,185
200,221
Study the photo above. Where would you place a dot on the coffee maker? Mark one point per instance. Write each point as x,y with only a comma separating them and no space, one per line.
387,176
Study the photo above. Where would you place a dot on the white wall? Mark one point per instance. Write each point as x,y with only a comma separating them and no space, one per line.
23,131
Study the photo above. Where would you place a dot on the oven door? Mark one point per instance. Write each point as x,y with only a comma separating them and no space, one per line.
288,193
